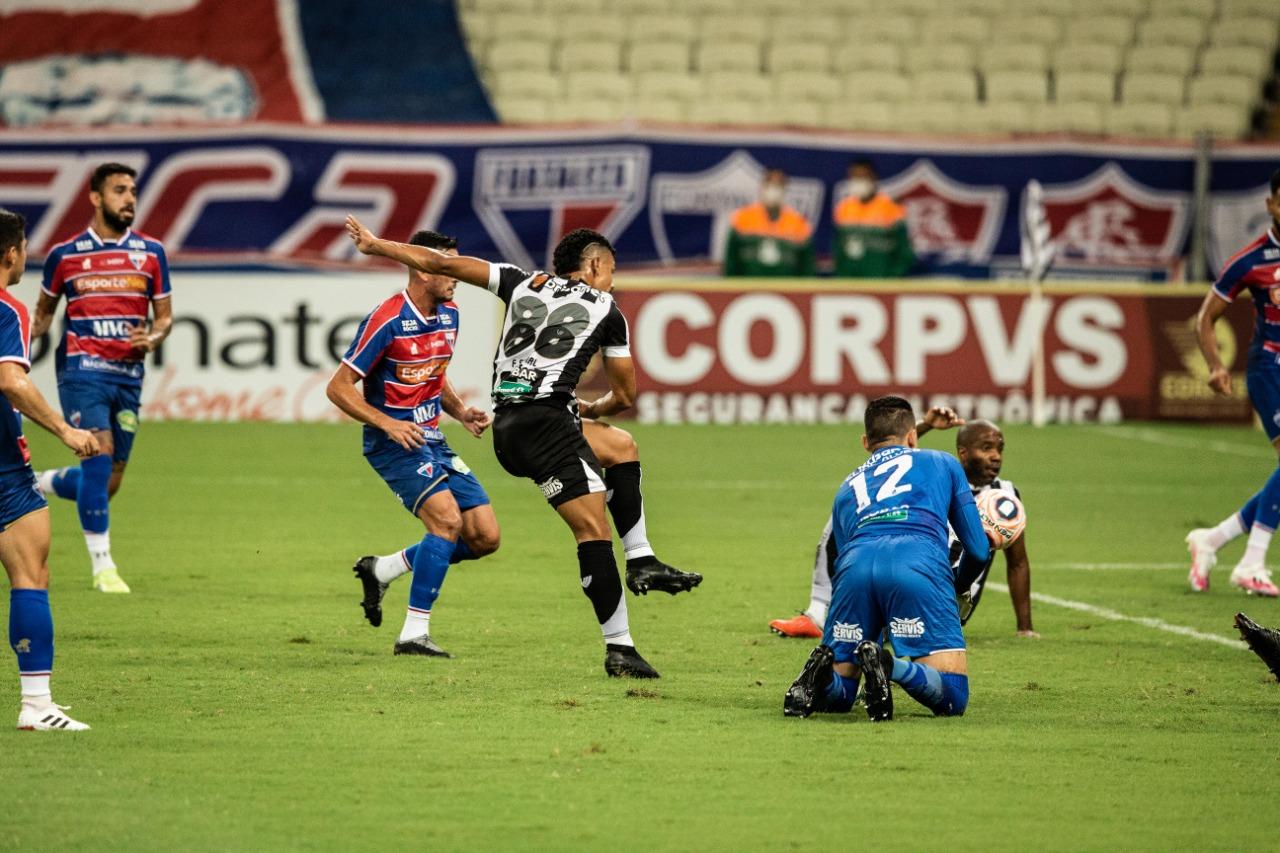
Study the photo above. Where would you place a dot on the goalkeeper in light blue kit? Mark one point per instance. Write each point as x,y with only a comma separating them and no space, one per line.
893,573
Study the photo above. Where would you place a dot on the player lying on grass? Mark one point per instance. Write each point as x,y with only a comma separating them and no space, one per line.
401,352
889,529
553,325
1256,268
24,513
980,449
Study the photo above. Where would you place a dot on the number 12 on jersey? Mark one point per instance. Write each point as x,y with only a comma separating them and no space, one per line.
897,467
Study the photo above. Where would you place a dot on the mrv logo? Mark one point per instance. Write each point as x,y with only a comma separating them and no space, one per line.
114,327
541,194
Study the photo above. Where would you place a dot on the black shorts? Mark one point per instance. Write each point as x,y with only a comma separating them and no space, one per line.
545,444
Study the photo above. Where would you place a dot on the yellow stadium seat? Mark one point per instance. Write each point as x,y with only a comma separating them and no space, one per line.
1142,120
678,29
1078,117
532,85
797,56
1028,87
1239,59
658,55
516,27
877,86
598,85
648,7
942,29
587,28
1152,88
651,109
1254,10
1221,120
596,55
1165,58
806,86
795,113
1088,57
944,85
1010,117
1055,8
504,57
669,85
871,57
1186,31
1203,9
815,28
1244,33
733,28
1235,89
870,115
504,7
523,111
1105,29
734,85
728,56
729,112
1032,29
895,29
930,116
1097,87
1014,57
939,57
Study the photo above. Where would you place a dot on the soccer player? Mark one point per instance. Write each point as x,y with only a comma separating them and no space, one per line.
24,514
554,324
889,529
401,352
980,449
1256,268
112,276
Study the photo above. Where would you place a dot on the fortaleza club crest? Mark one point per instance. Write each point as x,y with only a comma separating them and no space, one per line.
544,193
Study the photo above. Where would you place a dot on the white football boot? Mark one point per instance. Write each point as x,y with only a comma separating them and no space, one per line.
1203,558
1255,580
48,719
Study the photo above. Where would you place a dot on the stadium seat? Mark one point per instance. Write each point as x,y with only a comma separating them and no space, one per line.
984,8
504,57
930,116
1088,57
670,85
1144,120
590,28
1035,29
1097,87
652,7
557,8
916,8
729,112
870,115
728,56
1253,10
1160,58
953,29
845,8
1062,9
871,57
814,28
944,85
524,27
795,113
1234,89
1008,117
877,29
504,7
1124,8
1077,117
650,109
1152,88
577,110
1244,33
523,111
877,86
1202,9
1107,29
806,86
598,55
738,85
1014,57
534,85
1189,32
733,28
658,55
940,57
1220,120
797,56
671,28
706,7
477,29
598,85
1237,59
1028,87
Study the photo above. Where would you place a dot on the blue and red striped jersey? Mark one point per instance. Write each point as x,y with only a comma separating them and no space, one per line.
109,287
15,346
1256,268
403,356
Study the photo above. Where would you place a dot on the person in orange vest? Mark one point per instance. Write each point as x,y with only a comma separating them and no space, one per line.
871,238
768,238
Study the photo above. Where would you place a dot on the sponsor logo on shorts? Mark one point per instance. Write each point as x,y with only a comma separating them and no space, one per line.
74,419
456,463
846,632
906,627
551,488
23,646
128,421
427,469
586,582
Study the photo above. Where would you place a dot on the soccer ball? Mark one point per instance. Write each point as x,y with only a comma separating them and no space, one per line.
1002,516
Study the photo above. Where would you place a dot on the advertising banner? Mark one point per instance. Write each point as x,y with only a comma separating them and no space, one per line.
280,192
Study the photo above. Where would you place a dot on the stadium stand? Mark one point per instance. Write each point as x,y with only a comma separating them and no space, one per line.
1132,67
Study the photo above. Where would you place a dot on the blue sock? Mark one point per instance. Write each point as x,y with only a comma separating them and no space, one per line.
944,693
31,630
66,483
410,554
1249,512
430,563
1268,507
841,693
462,551
91,497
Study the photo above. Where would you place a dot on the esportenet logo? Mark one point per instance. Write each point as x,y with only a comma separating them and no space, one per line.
913,627
847,632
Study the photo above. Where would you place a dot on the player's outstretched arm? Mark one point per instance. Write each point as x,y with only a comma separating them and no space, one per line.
342,392
23,395
430,261
1213,307
621,373
46,305
474,420
1018,573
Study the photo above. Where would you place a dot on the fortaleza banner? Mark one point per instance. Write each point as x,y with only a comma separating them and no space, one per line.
664,197
783,354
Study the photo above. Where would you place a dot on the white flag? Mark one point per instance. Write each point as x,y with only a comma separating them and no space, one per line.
1037,250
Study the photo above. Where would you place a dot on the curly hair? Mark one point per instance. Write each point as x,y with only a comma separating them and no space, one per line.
573,249
433,240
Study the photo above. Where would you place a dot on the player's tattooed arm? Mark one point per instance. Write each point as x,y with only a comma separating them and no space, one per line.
430,261
938,417
46,305
1018,573
1213,307
23,395
342,392
146,339
474,420
621,373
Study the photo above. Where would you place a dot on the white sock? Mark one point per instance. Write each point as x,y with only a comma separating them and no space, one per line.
1225,531
45,480
99,545
417,623
616,629
388,568
1255,553
817,612
635,542
35,687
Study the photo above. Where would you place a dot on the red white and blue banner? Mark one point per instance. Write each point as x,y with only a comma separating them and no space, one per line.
279,192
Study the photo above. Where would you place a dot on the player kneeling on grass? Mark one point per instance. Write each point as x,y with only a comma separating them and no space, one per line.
24,514
401,352
889,529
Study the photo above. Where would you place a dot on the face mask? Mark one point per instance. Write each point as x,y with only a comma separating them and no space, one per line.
772,195
863,188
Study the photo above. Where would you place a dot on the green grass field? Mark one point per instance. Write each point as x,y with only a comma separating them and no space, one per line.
240,702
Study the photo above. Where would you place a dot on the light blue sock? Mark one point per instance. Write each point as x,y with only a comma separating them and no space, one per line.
66,483
841,693
91,497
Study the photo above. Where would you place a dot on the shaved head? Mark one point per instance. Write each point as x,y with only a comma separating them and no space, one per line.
969,434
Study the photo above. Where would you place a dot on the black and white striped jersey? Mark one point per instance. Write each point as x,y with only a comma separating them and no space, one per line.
552,328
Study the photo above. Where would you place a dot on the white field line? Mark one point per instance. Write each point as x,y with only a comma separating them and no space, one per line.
1152,436
1112,567
1116,616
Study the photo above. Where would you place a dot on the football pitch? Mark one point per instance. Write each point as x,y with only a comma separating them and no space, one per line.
240,702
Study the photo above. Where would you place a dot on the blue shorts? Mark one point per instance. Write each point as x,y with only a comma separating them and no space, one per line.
1264,392
103,406
19,495
902,583
415,475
